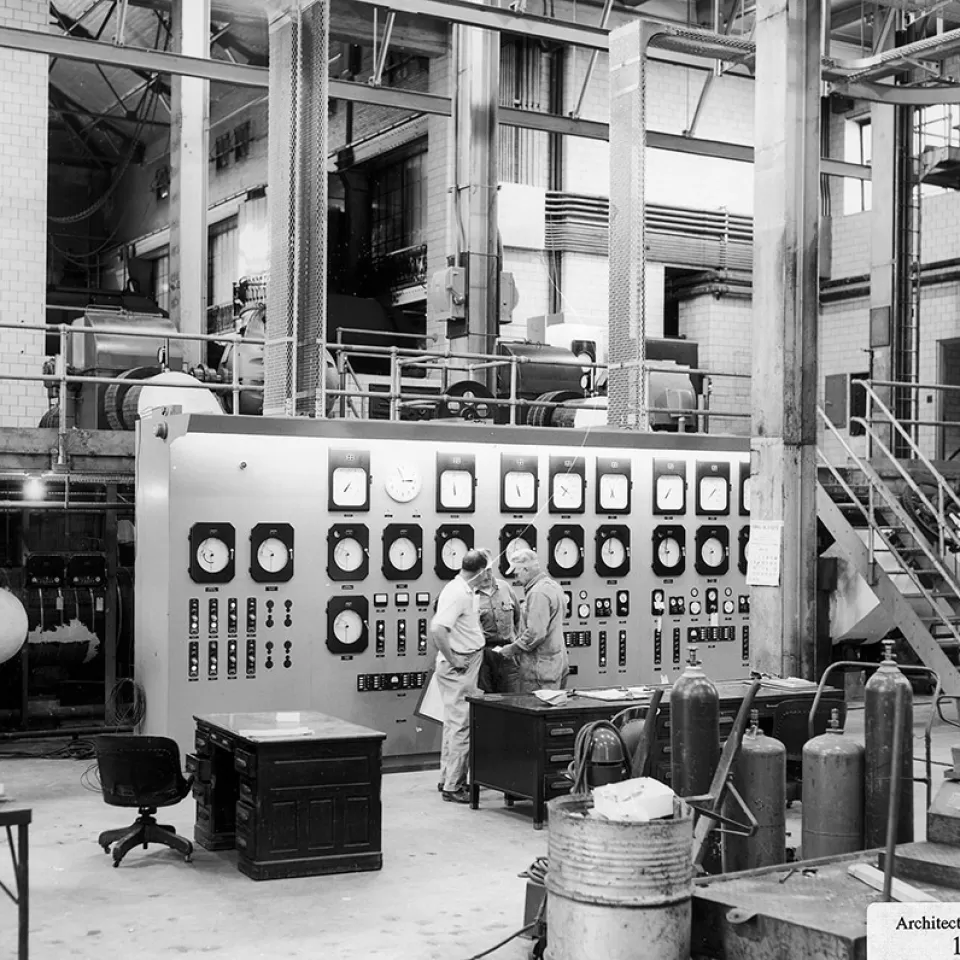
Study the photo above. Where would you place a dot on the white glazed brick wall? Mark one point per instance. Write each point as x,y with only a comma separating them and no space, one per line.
530,273
23,214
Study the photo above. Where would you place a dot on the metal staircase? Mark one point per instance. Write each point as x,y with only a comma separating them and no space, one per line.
898,523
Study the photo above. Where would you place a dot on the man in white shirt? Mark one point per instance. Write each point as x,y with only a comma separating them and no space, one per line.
459,638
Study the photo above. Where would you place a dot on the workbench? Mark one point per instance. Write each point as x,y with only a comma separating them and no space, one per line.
521,746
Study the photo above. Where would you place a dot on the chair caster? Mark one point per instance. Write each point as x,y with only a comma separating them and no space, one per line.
188,859
116,863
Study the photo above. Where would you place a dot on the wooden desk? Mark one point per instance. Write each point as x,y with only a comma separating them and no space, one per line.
12,816
522,747
293,804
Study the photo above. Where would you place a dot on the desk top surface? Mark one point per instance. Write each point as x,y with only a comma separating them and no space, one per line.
14,814
291,725
729,690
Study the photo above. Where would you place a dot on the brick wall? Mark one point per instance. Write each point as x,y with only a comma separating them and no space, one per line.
23,214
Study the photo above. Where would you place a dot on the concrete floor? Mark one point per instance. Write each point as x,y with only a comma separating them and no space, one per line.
448,888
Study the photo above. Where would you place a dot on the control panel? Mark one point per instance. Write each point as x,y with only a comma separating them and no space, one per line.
304,563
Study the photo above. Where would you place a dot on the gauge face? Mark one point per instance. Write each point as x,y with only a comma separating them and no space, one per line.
583,611
566,553
614,491
348,555
403,554
403,482
348,627
348,487
273,555
746,494
669,553
728,606
712,552
456,489
669,493
713,494
519,490
213,555
517,543
567,491
452,553
613,553
695,608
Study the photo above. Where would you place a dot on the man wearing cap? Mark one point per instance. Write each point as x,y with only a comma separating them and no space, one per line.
500,619
539,652
459,638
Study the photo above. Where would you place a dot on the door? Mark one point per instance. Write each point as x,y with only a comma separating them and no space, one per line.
949,361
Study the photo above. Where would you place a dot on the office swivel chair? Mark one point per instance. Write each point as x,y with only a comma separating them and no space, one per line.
791,725
141,772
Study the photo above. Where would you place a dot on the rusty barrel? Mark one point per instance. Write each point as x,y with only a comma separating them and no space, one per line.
617,890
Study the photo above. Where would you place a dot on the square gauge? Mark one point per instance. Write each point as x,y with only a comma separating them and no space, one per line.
713,488
613,485
348,480
518,484
745,489
669,487
456,478
567,484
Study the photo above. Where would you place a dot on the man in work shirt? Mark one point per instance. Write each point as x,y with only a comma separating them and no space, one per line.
459,638
500,618
539,652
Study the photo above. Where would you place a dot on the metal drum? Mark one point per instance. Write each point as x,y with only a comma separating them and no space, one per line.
694,731
760,777
832,794
878,709
618,890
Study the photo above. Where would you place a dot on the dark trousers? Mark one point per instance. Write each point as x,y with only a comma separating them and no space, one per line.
497,675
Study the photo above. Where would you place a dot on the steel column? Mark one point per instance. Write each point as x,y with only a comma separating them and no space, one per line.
189,152
785,318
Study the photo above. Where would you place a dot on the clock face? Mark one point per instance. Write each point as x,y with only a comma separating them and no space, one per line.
567,491
519,490
213,555
348,555
566,553
669,553
712,552
348,486
456,489
713,494
403,482
614,491
613,553
348,627
403,554
669,493
452,553
273,555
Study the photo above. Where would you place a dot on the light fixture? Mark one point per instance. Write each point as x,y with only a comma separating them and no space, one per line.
33,488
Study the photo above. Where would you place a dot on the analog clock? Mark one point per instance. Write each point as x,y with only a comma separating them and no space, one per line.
518,484
348,480
455,482
348,552
402,482
514,537
402,551
567,483
613,550
271,552
452,542
212,548
347,625
613,485
713,550
713,489
745,489
669,550
565,545
744,549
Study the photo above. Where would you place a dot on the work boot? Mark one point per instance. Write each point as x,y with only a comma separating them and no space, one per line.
460,795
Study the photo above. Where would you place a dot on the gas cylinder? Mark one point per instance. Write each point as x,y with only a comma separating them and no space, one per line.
832,794
694,731
879,705
760,777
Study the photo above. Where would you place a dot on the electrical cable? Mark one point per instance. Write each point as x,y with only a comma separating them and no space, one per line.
506,940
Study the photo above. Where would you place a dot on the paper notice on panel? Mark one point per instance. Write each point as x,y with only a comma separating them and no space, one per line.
763,564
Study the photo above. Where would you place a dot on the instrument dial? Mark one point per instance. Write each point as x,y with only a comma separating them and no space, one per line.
456,489
517,543
669,552
567,491
566,553
669,493
403,482
348,486
519,490
714,493
613,552
348,627
213,555
712,552
452,553
746,494
273,555
403,554
348,555
614,491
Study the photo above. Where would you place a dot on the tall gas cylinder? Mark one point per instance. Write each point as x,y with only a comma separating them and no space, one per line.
880,698
760,777
832,794
694,731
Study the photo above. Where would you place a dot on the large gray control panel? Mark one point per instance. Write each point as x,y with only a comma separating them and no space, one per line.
294,564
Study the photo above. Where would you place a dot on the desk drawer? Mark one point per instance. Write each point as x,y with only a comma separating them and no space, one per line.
245,762
557,730
246,792
558,757
246,830
555,786
202,745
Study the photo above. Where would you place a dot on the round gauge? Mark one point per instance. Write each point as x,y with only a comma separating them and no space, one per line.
695,607
711,552
746,551
668,552
348,555
403,482
213,555
614,491
451,554
713,494
517,543
566,553
613,553
728,606
348,627
273,555
583,611
669,492
403,554
583,594
694,592
728,591
746,494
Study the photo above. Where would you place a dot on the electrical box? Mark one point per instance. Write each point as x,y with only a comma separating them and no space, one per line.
447,293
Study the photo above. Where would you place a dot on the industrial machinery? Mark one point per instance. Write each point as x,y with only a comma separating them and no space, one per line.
296,561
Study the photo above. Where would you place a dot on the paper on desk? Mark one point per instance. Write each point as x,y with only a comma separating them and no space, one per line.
616,693
276,733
